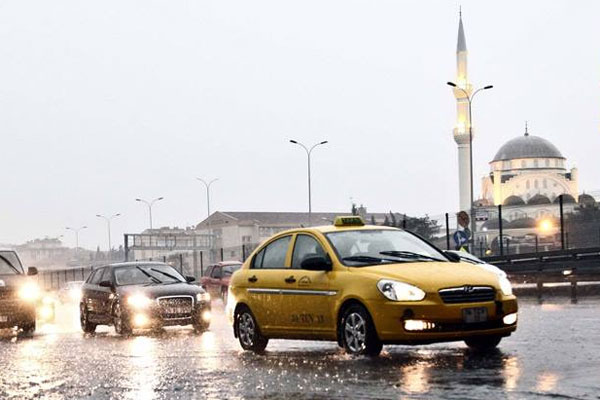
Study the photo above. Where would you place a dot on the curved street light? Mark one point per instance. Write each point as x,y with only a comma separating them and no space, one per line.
308,153
470,100
150,204
76,231
207,185
108,219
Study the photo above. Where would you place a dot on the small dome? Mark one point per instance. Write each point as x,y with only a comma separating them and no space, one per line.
527,146
539,199
567,198
587,200
514,201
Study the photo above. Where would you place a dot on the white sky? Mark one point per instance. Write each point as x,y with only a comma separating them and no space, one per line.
102,102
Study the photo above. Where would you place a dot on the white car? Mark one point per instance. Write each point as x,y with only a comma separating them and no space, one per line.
470,258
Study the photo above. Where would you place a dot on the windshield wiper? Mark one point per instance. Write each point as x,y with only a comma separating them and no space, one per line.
154,279
409,254
369,259
10,264
166,274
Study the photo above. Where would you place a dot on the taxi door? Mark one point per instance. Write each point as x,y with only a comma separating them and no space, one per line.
309,293
265,279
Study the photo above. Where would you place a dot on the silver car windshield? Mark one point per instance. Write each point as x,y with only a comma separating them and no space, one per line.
9,263
381,246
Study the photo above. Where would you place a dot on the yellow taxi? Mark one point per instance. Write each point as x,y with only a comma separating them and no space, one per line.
365,286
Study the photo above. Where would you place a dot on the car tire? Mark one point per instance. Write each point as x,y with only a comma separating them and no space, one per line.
359,336
224,295
120,321
248,331
86,325
483,343
28,328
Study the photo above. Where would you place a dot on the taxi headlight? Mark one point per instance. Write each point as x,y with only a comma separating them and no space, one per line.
505,286
29,292
400,291
203,296
138,301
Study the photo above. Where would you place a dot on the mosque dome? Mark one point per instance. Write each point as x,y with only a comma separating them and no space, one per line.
527,146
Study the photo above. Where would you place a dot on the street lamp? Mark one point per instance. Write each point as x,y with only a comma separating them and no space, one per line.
308,152
76,230
470,100
207,184
108,219
150,204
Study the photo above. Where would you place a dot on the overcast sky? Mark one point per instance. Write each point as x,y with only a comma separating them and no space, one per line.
102,102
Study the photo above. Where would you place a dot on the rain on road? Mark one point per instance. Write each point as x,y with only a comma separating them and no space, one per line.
555,353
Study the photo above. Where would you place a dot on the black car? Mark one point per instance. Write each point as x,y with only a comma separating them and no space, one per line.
19,295
142,295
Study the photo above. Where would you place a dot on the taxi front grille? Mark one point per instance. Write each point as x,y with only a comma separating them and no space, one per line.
177,307
467,294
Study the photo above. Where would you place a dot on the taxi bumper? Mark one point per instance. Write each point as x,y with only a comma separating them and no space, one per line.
439,322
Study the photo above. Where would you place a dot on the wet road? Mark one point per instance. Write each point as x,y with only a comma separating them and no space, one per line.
554,354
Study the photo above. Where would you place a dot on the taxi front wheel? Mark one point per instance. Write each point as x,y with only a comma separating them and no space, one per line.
248,332
483,343
358,332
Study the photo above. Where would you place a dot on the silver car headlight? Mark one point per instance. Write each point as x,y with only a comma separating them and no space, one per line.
505,286
399,291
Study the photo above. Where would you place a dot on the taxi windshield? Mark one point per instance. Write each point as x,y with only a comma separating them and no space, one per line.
361,248
147,275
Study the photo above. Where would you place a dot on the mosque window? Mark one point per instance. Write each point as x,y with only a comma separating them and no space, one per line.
535,184
535,163
547,162
523,164
527,185
545,184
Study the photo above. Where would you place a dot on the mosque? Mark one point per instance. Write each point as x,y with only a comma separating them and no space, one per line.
527,174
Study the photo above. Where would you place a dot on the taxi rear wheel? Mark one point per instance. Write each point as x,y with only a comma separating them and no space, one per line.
483,343
28,327
248,332
358,332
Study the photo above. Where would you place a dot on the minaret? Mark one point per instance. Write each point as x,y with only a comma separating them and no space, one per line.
461,130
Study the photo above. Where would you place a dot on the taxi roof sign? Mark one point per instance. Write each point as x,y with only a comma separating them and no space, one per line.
354,220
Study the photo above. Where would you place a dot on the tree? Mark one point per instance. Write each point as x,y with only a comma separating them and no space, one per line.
373,220
422,226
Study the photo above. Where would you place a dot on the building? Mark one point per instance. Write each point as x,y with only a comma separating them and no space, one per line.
234,229
529,170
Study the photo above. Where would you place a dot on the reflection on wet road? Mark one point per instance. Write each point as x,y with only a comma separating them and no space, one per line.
554,354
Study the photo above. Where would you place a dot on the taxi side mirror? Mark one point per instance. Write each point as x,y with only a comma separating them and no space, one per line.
32,271
317,263
190,279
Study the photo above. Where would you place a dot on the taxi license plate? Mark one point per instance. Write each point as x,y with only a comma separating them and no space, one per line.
474,315
3,318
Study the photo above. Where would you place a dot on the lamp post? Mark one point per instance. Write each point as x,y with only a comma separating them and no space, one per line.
207,185
308,153
150,204
470,100
76,230
108,219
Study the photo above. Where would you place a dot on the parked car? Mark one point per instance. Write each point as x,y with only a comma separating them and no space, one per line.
70,292
217,276
139,295
21,299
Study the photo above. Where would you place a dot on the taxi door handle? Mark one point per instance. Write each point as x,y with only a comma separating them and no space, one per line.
290,279
252,279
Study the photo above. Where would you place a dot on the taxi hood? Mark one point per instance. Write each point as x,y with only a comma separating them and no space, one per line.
432,276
